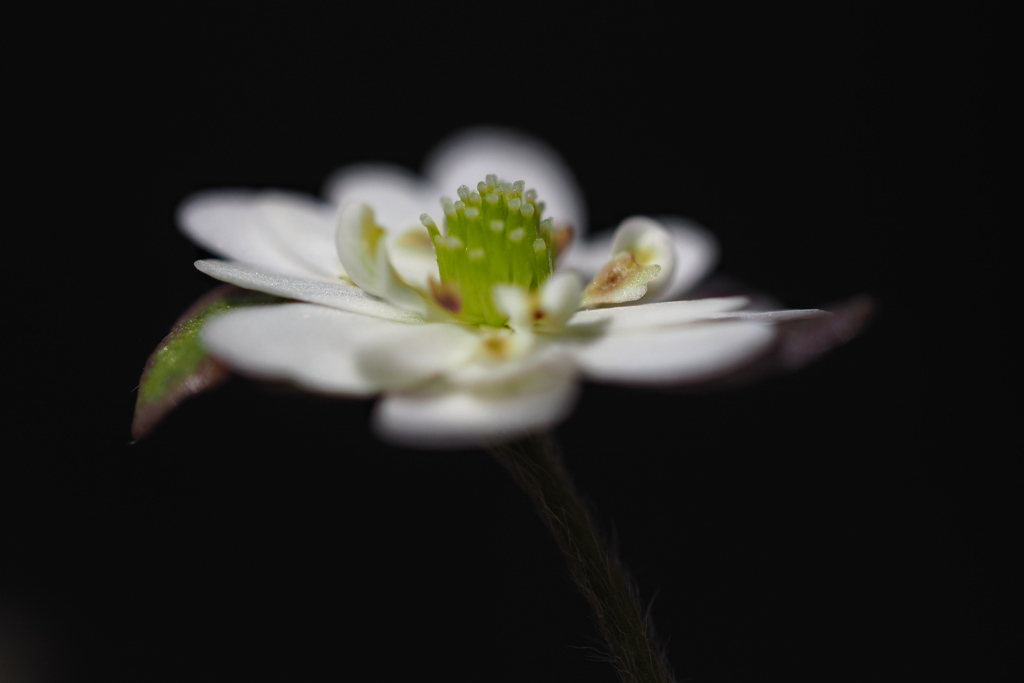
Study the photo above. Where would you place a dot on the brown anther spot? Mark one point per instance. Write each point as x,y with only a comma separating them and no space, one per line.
621,279
495,345
613,273
446,295
561,236
416,239
538,314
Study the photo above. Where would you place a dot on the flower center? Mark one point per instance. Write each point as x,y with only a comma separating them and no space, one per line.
492,236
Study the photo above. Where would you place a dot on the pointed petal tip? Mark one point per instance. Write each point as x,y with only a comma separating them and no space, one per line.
806,340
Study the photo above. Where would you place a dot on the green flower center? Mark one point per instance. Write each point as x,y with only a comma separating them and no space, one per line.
492,236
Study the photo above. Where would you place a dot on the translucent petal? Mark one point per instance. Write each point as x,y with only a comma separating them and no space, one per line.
398,196
339,295
772,316
696,253
312,346
661,314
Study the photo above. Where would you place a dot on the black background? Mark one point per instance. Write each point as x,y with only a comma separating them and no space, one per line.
855,521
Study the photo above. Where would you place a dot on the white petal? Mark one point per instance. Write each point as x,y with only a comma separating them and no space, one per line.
662,314
397,195
409,354
312,346
696,254
340,295
547,309
362,248
772,316
282,232
467,157
648,241
442,416
588,255
674,355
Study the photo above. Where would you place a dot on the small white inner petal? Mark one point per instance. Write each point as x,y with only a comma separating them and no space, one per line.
514,302
560,298
651,244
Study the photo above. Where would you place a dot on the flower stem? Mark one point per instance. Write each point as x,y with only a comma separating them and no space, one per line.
598,573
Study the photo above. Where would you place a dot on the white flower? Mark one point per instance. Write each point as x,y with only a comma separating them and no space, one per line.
461,356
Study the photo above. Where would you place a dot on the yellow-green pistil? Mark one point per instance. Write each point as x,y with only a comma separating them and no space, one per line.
492,236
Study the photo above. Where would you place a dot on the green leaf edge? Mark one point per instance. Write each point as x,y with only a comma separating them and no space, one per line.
179,367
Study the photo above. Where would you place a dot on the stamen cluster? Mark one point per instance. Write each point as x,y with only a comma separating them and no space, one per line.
492,236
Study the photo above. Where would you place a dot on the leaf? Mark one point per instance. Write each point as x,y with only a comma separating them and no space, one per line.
179,367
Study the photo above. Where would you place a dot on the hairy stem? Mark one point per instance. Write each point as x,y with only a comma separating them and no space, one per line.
630,638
